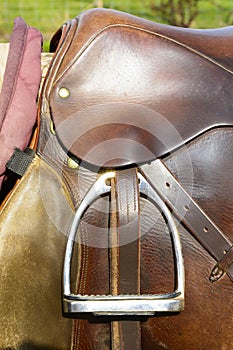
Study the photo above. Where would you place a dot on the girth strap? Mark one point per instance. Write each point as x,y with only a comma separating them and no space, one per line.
194,218
125,254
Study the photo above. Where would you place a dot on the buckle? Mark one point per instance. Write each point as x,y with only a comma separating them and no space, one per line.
118,305
225,265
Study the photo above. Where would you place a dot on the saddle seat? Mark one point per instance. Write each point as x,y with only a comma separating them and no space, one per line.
129,90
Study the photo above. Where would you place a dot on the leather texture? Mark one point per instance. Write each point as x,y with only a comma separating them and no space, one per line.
108,60
159,88
128,265
31,264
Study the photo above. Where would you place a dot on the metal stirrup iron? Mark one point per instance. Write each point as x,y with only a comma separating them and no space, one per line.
122,304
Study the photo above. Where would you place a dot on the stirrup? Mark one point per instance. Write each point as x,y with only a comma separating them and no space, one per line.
117,305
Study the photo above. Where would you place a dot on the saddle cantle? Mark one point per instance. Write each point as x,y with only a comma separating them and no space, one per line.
131,113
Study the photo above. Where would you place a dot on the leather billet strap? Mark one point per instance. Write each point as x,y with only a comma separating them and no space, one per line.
125,257
192,216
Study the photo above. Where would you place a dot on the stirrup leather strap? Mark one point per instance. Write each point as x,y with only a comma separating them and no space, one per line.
189,213
125,257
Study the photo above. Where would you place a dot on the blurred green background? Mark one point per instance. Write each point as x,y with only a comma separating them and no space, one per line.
49,15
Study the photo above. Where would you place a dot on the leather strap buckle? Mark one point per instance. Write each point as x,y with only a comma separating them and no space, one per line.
222,266
122,304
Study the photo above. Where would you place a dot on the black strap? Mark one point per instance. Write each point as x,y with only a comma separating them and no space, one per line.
20,160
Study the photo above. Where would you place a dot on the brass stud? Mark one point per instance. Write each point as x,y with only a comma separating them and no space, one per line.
63,92
72,164
52,129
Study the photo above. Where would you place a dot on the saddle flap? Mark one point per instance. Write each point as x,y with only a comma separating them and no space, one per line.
149,87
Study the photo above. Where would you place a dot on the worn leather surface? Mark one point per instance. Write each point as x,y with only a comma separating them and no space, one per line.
207,306
157,68
193,101
31,257
173,73
127,267
207,319
149,85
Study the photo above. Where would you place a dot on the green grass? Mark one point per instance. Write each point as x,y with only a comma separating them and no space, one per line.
215,13
49,15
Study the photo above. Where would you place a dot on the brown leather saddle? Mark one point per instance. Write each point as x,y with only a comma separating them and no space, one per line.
133,189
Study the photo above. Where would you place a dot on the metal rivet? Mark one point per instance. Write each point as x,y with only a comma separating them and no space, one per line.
72,164
52,129
63,92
